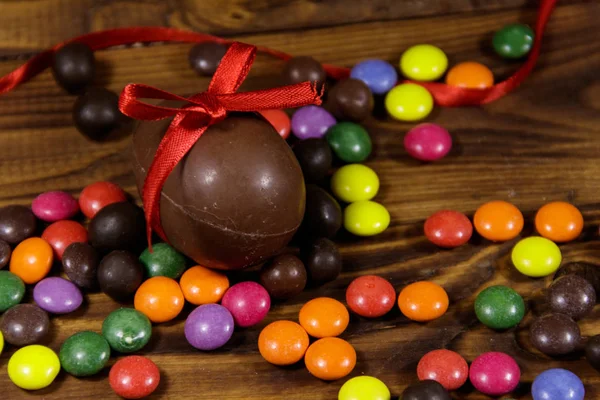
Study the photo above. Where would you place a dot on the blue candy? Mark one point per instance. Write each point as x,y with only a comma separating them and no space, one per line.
380,76
557,384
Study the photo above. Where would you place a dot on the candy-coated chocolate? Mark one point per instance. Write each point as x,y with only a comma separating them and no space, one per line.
444,366
279,120
427,142
96,113
5,252
498,221
17,223
283,342
302,69
589,272
159,298
201,285
366,218
12,290
31,260
84,353
379,75
536,256
370,296
134,377
54,206
33,367
126,330
350,142
24,324
423,62
209,327
557,384
315,158
409,102
324,317
98,195
322,260
364,388
1,342
163,261
571,295
513,41
350,99
57,295
494,373
470,75
61,234
330,358
592,351
323,215
554,334
559,221
284,277
118,226
499,307
354,182
448,228
80,263
248,302
423,301
74,67
311,122
204,58
425,390
120,274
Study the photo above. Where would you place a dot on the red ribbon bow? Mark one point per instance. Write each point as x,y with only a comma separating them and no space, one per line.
200,112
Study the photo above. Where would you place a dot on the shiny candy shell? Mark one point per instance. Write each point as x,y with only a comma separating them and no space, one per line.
448,228
283,342
349,141
423,301
324,317
31,260
364,388
366,218
279,120
134,377
61,234
494,373
379,75
444,366
1,342
209,327
559,221
536,256
423,62
202,285
98,195
311,122
163,261
330,358
12,290
513,41
498,221
370,296
33,367
126,330
428,142
499,307
159,298
248,302
84,354
54,206
354,182
557,384
470,75
57,295
408,102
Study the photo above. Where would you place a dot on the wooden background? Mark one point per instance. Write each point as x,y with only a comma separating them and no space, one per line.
539,144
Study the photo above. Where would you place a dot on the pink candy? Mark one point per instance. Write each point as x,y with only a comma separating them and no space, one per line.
428,142
494,373
54,206
248,302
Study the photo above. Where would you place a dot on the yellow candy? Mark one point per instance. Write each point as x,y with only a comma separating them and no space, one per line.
364,388
366,218
536,256
409,102
354,182
33,367
1,342
423,62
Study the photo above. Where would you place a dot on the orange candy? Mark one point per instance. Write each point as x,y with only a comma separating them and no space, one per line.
330,358
323,317
470,75
31,260
159,298
423,301
283,342
201,285
498,221
559,221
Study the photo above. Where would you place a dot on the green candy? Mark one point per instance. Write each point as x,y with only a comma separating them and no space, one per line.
349,141
164,261
126,330
513,41
12,290
84,354
499,307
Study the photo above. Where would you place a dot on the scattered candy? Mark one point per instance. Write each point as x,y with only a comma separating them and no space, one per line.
592,351
202,285
425,390
366,218
33,367
536,256
554,334
283,342
470,75
494,373
557,384
57,295
134,377
159,298
311,122
379,75
54,206
164,261
444,366
302,69
584,270
31,260
364,388
499,307
24,324
322,260
120,274
448,228
513,41
324,317
17,223
61,234
204,58
1,342
498,221
354,182
349,141
323,215
118,226
315,158
370,296
330,358
279,120
126,330
74,67
559,221
98,195
5,252
209,327
12,290
80,263
428,142
351,100
408,102
284,277
423,62
248,302
423,301
96,113
84,354
571,295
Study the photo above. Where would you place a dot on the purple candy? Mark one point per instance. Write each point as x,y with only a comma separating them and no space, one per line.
248,302
311,122
54,206
209,327
57,295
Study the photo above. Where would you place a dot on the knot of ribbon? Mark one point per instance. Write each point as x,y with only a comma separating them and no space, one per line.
200,112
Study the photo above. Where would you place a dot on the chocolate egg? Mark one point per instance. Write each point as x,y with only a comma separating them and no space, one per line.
236,198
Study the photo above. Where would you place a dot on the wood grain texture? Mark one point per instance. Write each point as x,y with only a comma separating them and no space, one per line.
539,144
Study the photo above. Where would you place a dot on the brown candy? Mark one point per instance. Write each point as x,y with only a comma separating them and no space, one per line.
571,295
592,351
284,277
554,334
96,113
205,57
322,260
80,262
24,324
120,273
5,253
589,272
350,99
237,197
17,223
74,66
302,69
118,226
323,216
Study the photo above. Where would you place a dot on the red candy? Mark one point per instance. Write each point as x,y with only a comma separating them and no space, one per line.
444,366
494,373
370,296
134,377
279,120
448,228
98,195
62,233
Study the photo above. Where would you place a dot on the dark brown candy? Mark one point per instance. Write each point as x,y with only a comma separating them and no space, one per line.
205,57
73,67
571,295
302,69
118,226
17,223
236,199
96,113
322,260
5,253
284,277
120,273
323,216
425,390
554,334
592,351
350,99
589,272
80,262
24,324
315,158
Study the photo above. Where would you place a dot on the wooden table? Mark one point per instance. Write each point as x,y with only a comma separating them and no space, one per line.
539,144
